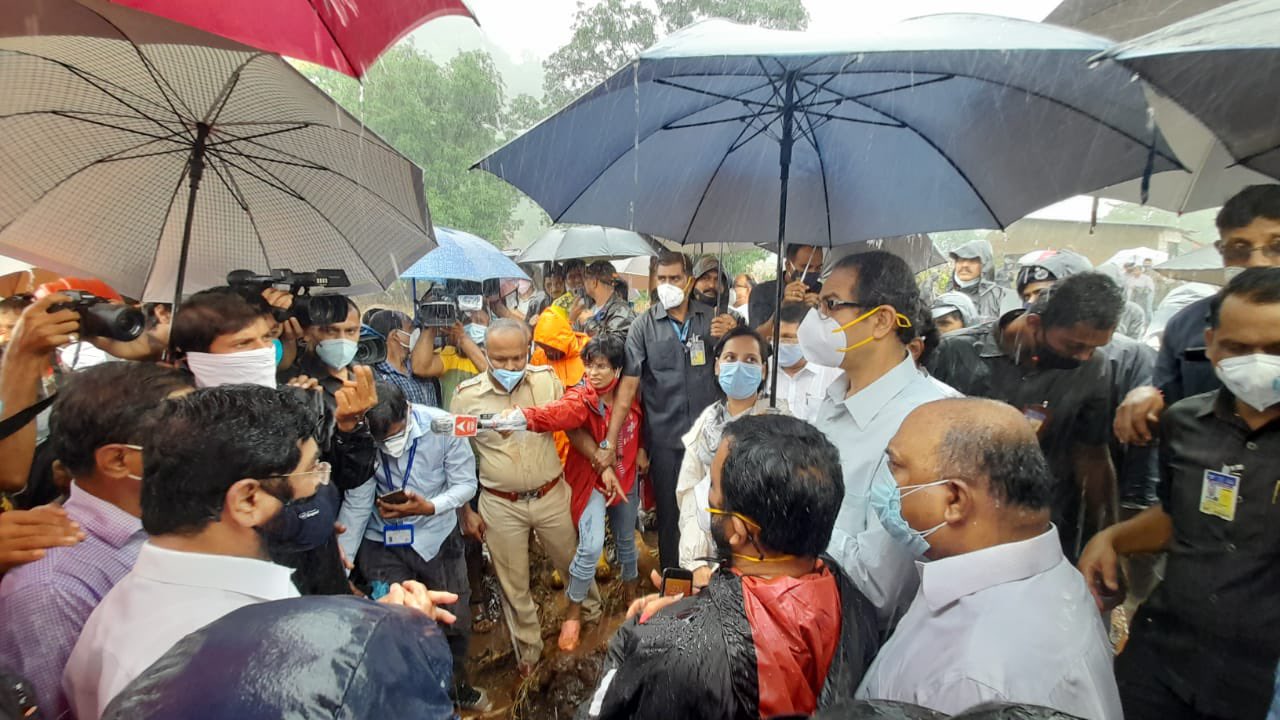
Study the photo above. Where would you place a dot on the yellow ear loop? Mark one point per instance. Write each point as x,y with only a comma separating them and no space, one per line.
761,558
903,322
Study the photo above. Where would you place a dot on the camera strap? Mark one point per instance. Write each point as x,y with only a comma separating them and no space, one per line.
19,420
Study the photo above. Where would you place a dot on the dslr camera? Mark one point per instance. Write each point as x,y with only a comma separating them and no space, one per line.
310,310
443,304
102,318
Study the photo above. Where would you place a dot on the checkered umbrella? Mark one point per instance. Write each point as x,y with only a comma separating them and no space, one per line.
158,158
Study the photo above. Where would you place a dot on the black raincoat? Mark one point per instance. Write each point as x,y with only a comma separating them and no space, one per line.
312,657
893,710
697,658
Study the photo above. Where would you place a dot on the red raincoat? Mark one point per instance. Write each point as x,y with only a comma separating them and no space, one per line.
581,407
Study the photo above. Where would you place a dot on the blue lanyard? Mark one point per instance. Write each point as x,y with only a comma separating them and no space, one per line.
408,468
682,331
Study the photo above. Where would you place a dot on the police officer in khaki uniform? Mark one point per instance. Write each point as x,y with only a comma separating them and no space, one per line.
522,485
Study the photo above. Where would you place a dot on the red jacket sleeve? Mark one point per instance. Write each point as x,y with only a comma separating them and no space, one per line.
567,413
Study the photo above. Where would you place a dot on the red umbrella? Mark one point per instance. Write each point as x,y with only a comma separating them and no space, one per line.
346,35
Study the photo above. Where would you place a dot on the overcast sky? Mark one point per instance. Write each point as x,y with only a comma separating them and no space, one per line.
539,27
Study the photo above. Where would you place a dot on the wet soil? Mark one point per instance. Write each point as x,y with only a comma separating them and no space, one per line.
561,682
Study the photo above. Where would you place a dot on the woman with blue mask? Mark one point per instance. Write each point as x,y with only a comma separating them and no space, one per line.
742,358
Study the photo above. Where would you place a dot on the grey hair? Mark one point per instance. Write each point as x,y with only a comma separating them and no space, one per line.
500,325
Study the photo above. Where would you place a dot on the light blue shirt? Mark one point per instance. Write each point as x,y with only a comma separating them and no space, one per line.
444,473
1012,623
861,427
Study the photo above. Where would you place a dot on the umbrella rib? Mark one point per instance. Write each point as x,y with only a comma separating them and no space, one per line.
245,138
101,86
233,187
812,135
301,198
711,180
721,96
182,177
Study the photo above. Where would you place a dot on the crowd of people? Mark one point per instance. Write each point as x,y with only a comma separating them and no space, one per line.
939,505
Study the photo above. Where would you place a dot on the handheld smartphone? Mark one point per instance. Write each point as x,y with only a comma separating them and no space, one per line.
677,581
395,497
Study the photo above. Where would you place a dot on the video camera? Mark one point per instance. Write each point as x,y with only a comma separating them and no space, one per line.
310,310
443,304
372,347
102,318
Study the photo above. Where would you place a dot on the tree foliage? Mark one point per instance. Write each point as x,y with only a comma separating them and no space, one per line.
444,118
607,34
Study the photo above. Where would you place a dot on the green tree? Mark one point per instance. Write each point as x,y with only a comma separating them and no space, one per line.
444,118
608,34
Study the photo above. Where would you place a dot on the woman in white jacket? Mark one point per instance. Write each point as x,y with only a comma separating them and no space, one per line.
742,370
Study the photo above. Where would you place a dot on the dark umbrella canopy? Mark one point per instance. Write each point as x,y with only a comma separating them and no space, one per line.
1221,66
313,657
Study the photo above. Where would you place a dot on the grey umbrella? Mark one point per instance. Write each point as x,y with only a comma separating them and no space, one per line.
1220,66
726,133
158,157
587,241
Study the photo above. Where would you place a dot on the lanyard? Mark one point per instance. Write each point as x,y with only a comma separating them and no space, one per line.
682,331
408,468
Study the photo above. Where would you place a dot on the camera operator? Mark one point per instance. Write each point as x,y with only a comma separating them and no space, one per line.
411,363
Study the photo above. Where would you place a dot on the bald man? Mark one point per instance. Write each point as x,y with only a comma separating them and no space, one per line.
1001,615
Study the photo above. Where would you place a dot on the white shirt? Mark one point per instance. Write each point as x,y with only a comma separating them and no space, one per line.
165,597
861,427
1009,623
805,390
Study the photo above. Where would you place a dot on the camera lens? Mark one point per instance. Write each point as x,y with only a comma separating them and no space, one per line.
370,351
118,322
317,310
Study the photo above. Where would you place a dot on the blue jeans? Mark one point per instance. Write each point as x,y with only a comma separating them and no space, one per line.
622,518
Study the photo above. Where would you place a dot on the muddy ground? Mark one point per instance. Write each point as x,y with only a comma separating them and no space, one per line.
562,681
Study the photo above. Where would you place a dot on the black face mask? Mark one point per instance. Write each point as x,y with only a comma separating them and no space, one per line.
706,298
302,524
1049,359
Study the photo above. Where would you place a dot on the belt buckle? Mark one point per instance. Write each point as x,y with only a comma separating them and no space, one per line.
527,495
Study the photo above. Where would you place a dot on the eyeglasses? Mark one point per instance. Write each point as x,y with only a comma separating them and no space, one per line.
827,306
323,469
1242,252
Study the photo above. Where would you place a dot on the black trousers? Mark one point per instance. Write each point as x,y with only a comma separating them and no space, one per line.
446,571
664,473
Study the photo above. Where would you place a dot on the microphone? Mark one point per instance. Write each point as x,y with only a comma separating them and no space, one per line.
469,425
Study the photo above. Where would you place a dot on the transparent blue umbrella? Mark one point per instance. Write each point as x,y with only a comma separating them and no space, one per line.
463,256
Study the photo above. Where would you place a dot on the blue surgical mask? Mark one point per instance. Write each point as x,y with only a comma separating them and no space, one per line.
789,354
476,332
337,354
886,501
279,346
508,378
740,380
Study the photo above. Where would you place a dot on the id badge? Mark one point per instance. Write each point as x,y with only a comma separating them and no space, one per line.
397,535
1219,495
697,353
1037,416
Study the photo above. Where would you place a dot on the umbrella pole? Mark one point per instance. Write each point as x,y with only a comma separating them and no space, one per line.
196,166
784,177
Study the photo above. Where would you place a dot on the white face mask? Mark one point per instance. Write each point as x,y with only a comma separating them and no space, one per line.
670,296
821,340
254,367
967,283
413,337
1253,379
398,443
406,344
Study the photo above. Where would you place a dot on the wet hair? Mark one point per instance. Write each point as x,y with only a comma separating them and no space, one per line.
107,404
1089,298
610,346
556,271
601,271
793,249
571,265
886,279
384,321
779,470
210,314
391,408
1014,467
1259,285
671,257
793,312
199,445
1251,203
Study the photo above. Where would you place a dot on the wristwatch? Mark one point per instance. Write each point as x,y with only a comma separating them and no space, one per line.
604,444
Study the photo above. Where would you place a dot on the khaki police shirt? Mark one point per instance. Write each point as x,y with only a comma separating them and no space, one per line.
525,460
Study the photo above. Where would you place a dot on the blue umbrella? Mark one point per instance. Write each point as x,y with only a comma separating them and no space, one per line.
723,133
463,256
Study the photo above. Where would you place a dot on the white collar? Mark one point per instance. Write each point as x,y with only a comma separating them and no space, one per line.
865,404
245,576
947,580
